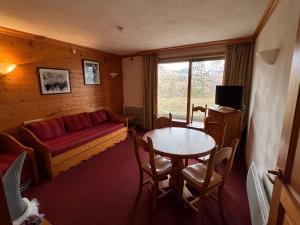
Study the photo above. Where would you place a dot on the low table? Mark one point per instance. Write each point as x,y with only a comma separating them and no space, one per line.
178,144
129,117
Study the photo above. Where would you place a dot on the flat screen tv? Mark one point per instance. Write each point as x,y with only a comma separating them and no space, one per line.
230,96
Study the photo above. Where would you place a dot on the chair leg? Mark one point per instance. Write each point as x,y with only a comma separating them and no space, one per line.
180,190
141,181
220,199
200,214
155,194
186,162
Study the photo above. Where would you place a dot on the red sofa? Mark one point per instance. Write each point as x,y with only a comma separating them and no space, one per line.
63,142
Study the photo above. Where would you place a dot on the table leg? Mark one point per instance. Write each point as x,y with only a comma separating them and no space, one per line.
176,181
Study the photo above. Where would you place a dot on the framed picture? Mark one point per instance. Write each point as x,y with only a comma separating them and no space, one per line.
91,72
54,81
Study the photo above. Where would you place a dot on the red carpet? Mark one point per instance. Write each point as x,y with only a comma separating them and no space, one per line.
103,191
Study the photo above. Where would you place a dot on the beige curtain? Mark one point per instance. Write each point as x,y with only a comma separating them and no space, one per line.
238,70
150,90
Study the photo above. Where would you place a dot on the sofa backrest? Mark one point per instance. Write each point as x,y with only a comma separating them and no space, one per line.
47,129
98,116
77,122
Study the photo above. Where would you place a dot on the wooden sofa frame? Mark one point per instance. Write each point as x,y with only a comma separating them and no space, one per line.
11,145
55,165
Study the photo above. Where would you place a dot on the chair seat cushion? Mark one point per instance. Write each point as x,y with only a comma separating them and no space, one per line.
47,129
196,125
195,174
163,166
71,140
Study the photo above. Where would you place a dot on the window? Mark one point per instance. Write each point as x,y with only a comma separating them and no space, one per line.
173,89
174,86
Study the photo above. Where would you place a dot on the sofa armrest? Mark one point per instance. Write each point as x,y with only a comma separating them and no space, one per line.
10,144
39,147
117,118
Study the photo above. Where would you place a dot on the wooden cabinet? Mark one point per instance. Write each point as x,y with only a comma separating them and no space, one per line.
235,122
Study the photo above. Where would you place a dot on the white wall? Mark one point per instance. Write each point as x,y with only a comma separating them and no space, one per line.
133,81
269,86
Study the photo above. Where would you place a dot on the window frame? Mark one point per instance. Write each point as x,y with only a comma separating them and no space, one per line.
190,61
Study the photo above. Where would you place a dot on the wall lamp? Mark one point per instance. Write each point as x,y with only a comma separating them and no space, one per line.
6,68
269,56
113,74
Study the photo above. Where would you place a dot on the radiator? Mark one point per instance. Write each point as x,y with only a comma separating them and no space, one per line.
257,198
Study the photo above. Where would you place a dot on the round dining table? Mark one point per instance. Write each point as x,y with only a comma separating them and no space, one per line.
180,143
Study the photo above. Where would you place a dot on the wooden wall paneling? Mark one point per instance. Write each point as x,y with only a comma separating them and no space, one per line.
20,97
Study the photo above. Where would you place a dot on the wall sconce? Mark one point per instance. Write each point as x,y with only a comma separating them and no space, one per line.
6,68
269,56
113,74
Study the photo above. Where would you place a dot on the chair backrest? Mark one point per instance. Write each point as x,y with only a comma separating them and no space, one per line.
162,122
199,109
209,171
217,130
227,155
5,216
141,145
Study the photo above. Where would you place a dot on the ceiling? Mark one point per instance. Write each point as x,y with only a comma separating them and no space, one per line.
148,24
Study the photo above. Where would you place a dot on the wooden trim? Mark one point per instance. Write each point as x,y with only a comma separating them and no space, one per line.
265,17
35,37
192,46
210,55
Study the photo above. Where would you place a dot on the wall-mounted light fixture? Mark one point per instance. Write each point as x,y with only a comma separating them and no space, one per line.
113,74
6,68
269,56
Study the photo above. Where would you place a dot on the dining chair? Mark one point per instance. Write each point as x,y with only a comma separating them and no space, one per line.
156,166
226,155
198,125
162,122
199,178
202,180
215,129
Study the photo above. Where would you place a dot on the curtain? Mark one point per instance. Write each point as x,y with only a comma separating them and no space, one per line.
150,90
238,70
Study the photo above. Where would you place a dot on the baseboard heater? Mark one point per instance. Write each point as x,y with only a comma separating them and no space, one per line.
257,198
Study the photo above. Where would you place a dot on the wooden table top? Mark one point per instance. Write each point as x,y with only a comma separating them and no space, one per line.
180,142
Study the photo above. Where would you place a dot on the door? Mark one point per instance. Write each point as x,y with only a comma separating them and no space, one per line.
285,202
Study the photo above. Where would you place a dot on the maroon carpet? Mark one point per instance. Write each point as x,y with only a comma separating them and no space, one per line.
103,191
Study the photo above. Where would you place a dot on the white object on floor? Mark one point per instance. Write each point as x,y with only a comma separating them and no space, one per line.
32,209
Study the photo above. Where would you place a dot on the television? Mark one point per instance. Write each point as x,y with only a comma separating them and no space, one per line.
230,96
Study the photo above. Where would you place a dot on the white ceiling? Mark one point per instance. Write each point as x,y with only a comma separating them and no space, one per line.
148,24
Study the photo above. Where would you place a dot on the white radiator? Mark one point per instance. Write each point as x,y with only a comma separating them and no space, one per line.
258,202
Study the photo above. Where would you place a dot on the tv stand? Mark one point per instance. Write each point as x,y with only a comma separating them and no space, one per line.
235,122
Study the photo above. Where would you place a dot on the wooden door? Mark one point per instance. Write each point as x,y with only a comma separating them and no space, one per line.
285,203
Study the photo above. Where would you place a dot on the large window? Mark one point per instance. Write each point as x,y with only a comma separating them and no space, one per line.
176,92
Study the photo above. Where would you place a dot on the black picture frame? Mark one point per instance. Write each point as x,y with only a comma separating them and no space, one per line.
54,81
91,72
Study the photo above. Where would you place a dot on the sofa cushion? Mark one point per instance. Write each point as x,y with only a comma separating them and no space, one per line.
77,122
98,117
47,129
68,141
